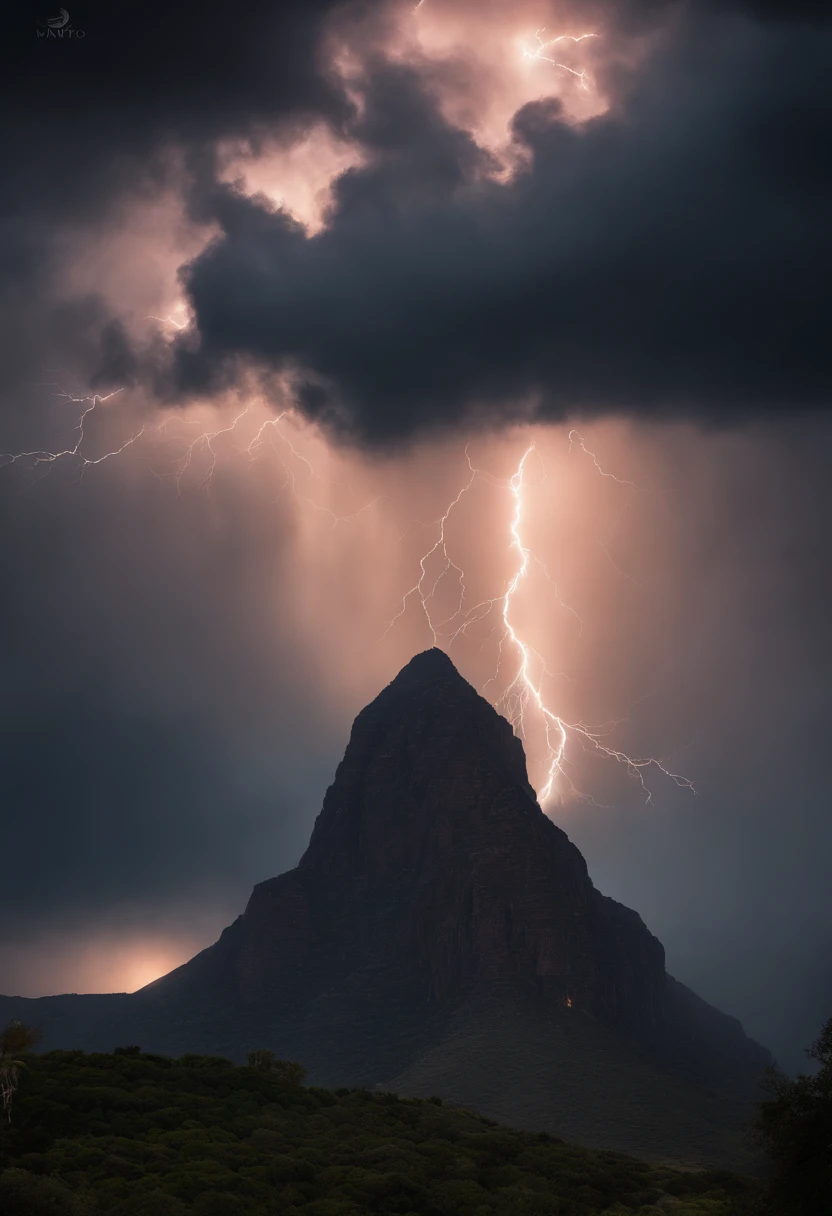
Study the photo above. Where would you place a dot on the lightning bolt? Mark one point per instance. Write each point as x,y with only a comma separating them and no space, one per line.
527,691
267,434
439,546
168,320
524,695
576,439
272,427
39,457
523,687
207,441
543,47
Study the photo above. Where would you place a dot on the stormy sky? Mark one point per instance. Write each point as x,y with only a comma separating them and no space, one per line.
279,286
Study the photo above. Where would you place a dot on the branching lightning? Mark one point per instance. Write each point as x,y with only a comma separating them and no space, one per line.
182,464
576,439
528,692
168,320
266,434
544,46
523,699
524,695
440,546
39,457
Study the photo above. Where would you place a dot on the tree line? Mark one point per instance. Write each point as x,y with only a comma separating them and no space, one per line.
80,1132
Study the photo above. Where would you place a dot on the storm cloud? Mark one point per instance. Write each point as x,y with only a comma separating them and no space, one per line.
666,258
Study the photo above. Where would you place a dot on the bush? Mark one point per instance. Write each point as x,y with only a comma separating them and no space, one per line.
138,1135
219,1203
25,1194
288,1071
795,1128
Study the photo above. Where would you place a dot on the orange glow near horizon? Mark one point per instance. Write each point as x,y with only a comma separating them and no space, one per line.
101,963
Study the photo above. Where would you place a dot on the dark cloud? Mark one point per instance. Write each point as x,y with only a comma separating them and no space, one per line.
792,12
668,257
140,80
127,104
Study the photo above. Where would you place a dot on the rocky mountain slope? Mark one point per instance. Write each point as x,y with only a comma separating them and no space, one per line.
442,935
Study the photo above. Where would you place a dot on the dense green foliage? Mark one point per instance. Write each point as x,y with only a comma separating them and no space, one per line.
132,1134
795,1126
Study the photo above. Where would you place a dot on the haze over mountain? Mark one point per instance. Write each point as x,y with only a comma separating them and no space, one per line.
442,935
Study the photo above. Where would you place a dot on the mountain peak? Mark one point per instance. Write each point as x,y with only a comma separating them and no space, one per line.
428,751
429,689
432,664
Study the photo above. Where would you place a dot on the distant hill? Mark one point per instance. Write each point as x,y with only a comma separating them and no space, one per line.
140,1135
441,934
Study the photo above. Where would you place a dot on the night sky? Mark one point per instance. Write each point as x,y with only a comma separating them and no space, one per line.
283,282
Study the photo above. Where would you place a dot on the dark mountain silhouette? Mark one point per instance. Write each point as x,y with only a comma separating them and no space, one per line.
442,935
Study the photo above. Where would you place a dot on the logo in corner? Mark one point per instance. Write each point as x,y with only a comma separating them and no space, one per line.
57,23
59,27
